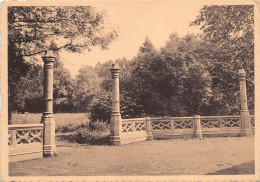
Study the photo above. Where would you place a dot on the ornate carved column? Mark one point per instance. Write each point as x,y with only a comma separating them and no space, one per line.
116,121
49,147
244,112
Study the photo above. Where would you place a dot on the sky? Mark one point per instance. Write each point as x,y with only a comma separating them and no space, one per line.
134,21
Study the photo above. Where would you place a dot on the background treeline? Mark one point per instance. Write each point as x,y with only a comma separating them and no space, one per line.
183,78
192,74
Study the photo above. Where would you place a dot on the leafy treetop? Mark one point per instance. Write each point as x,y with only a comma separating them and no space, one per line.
34,29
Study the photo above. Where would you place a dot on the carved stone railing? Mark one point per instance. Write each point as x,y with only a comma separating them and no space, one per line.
197,126
181,127
135,130
133,125
172,127
172,123
220,122
25,141
220,125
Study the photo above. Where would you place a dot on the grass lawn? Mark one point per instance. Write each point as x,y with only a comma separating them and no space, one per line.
223,155
64,121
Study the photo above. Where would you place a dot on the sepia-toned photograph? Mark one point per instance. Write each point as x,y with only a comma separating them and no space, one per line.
133,90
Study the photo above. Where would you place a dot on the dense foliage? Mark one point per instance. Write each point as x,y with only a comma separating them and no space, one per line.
230,31
34,29
193,74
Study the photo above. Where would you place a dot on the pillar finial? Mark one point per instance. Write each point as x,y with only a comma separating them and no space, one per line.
48,54
115,66
241,73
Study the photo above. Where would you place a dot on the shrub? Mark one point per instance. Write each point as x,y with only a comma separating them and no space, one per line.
96,133
100,107
67,128
99,126
84,135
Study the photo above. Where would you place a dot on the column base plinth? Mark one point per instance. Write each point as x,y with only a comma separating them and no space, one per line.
115,140
149,135
246,132
49,151
197,134
49,146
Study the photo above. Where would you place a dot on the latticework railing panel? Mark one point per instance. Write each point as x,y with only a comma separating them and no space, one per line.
183,124
210,123
28,136
135,124
161,125
127,127
18,136
139,126
231,122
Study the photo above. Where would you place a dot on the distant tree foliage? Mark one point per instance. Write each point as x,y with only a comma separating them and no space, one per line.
87,87
193,74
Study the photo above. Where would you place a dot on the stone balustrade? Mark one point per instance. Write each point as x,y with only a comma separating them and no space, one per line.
133,125
197,126
172,123
221,125
135,130
25,141
220,121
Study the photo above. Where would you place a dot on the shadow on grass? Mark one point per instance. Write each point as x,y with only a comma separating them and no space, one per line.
245,168
73,138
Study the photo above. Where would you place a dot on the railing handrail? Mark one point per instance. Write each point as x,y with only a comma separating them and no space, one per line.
171,118
133,119
230,116
189,117
25,125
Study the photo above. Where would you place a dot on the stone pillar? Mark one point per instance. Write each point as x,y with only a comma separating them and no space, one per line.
49,147
116,120
197,126
244,112
148,128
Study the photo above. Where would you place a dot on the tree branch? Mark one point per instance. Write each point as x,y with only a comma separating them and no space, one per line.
56,49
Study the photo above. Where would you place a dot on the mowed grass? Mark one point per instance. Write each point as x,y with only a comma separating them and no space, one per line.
65,122
215,156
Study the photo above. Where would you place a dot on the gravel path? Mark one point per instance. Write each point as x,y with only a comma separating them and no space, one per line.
156,157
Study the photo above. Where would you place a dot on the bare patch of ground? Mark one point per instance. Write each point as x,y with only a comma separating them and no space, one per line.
230,155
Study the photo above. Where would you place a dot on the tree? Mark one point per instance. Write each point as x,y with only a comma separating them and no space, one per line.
29,91
100,107
229,29
34,29
87,87
63,88
147,46
188,79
